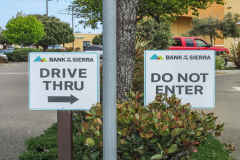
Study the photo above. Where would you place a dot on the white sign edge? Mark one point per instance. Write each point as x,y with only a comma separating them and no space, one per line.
98,77
184,51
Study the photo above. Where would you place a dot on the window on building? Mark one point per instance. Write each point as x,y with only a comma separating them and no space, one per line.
177,42
200,43
85,44
189,42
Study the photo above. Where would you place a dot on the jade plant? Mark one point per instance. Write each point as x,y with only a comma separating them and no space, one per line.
164,129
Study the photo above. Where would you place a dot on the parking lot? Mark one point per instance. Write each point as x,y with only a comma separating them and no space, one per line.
19,123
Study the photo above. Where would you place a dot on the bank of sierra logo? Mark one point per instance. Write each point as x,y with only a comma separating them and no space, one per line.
39,59
155,57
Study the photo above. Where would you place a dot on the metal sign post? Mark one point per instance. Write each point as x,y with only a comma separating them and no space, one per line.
109,80
64,136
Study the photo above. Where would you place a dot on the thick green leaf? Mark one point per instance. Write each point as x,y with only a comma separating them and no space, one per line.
90,142
145,116
137,116
198,133
93,111
153,140
126,153
172,148
200,128
174,133
85,158
94,155
140,147
156,156
190,132
159,146
90,117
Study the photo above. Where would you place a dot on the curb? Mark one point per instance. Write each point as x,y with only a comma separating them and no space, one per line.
227,72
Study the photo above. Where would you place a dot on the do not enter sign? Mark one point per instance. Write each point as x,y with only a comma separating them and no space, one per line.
63,81
190,75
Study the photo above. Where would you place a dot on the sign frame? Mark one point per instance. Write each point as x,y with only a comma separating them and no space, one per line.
62,53
145,67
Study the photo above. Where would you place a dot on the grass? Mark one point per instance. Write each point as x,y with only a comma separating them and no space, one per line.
211,149
44,147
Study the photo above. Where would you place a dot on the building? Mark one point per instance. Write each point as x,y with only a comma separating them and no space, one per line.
82,40
183,23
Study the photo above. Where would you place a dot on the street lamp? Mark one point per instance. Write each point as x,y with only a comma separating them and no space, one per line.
47,6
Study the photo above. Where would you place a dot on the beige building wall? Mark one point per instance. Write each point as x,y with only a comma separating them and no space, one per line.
231,6
183,23
79,38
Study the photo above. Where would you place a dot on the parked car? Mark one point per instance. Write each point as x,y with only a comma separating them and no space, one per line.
95,48
6,51
57,46
11,48
3,55
195,43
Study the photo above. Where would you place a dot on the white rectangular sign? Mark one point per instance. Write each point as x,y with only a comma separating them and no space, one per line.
190,75
63,81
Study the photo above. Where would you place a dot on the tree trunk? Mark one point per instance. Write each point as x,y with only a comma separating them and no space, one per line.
238,65
211,39
45,48
126,35
21,44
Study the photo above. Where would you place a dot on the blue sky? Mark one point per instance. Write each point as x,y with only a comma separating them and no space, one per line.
9,8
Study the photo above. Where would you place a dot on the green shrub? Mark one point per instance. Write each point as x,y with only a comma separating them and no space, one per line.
138,78
3,60
21,55
69,49
219,62
55,50
164,129
78,49
10,56
234,54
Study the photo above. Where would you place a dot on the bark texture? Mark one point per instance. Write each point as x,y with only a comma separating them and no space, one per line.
126,34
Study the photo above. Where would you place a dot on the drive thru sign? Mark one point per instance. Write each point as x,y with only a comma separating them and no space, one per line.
190,75
68,81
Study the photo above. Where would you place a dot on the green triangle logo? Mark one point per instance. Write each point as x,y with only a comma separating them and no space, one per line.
44,60
160,57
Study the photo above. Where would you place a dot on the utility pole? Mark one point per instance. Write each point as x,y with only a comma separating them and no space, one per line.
72,6
47,6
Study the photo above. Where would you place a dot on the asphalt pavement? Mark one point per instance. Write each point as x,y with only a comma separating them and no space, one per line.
19,123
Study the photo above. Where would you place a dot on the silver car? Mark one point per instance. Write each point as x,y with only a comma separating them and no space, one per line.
95,48
3,55
57,46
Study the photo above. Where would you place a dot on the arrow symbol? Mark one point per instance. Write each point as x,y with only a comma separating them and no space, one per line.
70,99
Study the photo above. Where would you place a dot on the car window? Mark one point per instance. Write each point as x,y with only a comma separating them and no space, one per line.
189,42
177,42
200,43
